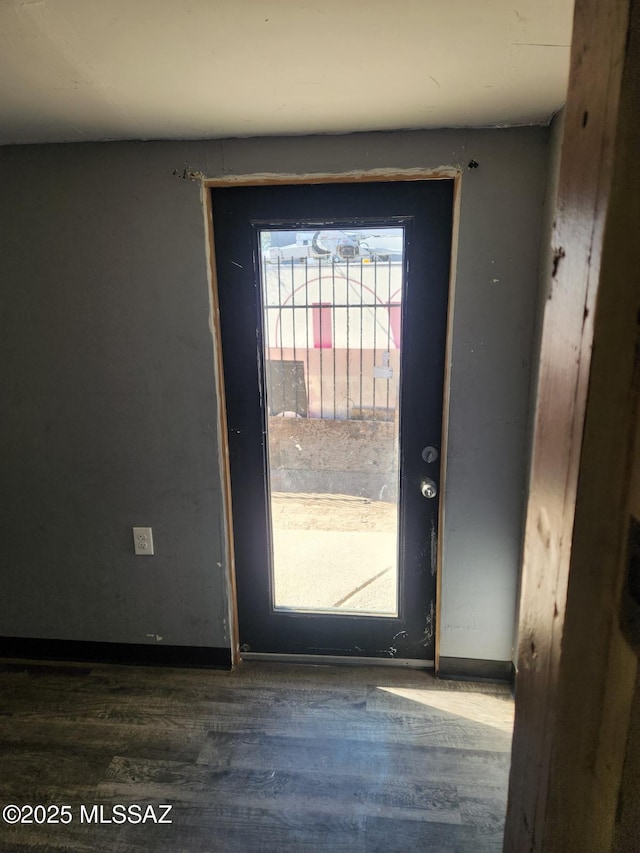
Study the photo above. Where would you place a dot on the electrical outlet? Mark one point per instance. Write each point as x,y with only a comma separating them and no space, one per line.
143,541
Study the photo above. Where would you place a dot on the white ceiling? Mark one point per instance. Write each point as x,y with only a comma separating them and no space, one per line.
74,70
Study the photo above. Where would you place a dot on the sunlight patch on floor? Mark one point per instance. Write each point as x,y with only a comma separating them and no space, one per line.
489,710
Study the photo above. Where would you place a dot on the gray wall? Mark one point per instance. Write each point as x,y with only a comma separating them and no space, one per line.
108,382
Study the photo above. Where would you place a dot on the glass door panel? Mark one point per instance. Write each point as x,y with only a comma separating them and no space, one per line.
331,303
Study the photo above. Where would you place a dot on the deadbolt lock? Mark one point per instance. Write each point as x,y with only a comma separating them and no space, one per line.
429,454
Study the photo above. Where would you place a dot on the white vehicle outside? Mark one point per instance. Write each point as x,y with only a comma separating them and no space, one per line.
339,246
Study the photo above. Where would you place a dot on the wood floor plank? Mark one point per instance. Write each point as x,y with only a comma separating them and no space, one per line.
410,729
292,698
486,815
489,709
343,756
91,693
266,758
93,701
180,742
16,842
321,792
241,830
75,837
494,791
126,713
400,836
46,765
46,670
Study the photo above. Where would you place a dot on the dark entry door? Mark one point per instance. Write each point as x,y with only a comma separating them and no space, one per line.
333,306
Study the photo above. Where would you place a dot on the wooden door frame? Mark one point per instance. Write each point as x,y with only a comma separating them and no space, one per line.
576,670
280,179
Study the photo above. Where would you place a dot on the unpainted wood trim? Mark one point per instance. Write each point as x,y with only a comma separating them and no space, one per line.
593,713
359,176
223,437
446,407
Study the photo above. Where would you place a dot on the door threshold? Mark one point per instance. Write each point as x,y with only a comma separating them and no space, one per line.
338,660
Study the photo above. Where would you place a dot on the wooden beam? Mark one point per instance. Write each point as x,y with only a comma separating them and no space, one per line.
575,671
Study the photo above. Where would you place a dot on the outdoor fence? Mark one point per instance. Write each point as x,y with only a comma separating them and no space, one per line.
332,338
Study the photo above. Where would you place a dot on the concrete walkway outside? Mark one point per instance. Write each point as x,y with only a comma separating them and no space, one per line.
334,552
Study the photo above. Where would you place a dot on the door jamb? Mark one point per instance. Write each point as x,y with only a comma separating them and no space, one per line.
265,179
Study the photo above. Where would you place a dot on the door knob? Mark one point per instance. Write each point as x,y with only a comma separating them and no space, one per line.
428,489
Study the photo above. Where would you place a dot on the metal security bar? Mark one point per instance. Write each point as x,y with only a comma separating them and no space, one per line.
332,331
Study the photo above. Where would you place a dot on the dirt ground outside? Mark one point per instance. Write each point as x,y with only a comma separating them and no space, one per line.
292,511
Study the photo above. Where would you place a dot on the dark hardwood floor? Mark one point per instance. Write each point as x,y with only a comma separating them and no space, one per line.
267,758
